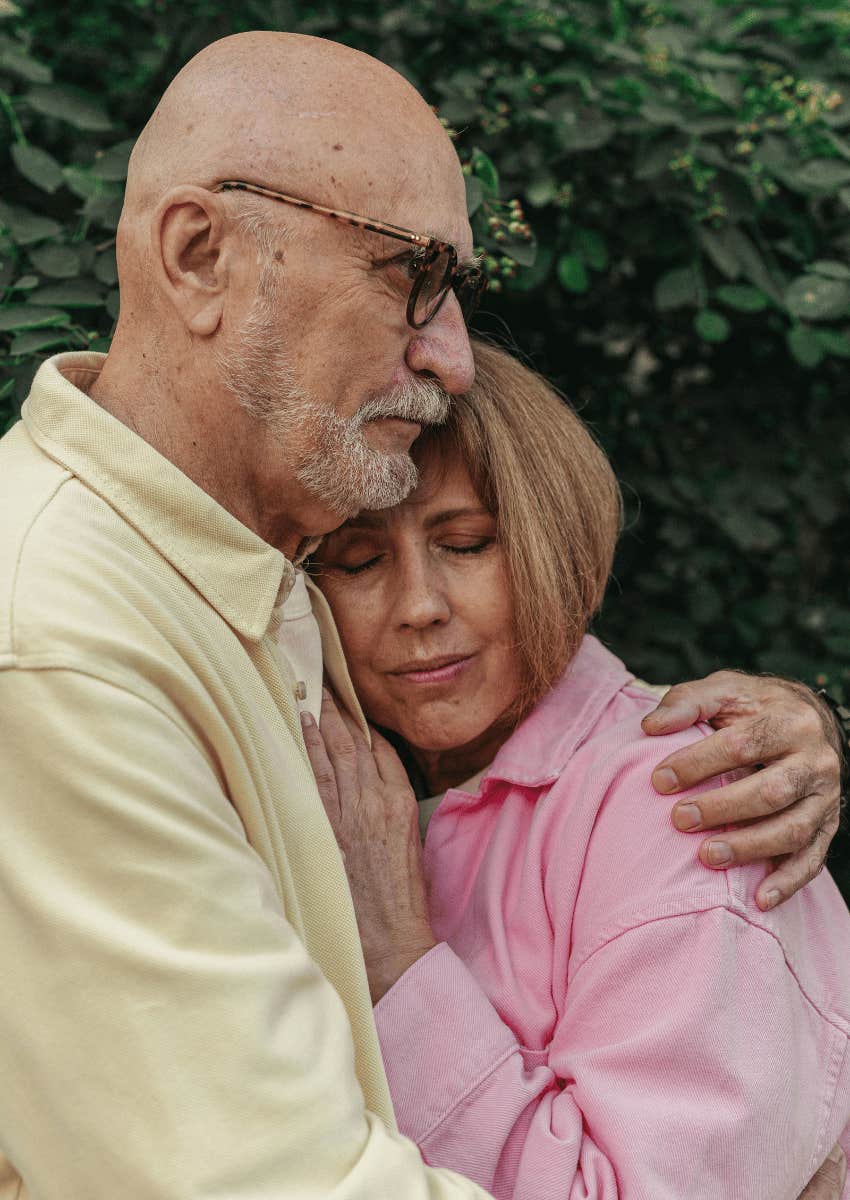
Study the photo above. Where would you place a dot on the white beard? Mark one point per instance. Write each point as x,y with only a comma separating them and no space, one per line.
332,458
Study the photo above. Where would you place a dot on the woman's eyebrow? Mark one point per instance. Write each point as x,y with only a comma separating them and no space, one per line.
451,514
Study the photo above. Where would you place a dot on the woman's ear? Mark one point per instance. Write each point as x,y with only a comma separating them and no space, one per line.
188,258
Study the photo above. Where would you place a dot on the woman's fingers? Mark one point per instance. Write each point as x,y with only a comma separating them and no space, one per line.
322,769
387,761
343,754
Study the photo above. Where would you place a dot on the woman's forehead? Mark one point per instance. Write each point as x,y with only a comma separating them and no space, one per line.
444,484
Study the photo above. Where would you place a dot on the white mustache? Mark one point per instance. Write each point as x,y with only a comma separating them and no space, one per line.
423,402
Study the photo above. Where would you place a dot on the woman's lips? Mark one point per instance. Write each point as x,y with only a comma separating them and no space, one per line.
439,671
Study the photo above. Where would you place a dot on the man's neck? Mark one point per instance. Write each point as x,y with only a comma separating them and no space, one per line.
217,445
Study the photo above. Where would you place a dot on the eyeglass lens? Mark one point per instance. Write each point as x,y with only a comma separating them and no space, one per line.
433,285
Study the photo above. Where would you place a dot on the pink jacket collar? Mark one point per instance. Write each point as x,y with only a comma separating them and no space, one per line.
537,751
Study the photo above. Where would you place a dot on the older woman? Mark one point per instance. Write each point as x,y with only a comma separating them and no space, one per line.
586,1011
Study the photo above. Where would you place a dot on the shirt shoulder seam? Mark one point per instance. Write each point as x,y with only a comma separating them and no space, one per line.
831,1019
76,666
64,478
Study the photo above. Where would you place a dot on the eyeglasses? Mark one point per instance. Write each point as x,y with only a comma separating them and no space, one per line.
433,266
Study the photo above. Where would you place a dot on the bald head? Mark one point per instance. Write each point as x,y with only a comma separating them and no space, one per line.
300,114
249,330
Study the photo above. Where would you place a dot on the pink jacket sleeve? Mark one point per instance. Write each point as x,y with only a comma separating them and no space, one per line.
686,1061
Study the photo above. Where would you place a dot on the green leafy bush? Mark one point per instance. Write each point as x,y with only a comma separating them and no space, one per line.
684,168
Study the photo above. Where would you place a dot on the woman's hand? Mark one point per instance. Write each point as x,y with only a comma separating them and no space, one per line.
828,1183
762,722
372,810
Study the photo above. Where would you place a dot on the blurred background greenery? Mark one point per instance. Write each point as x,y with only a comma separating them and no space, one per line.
662,192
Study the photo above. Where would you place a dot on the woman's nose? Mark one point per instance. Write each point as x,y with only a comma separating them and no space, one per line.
422,599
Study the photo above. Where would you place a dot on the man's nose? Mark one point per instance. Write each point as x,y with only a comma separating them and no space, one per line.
441,349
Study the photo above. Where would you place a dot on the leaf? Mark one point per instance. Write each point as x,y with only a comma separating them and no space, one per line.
805,346
593,248
55,260
530,278
75,293
712,326
572,273
657,113
655,161
26,227
750,532
718,62
69,104
25,283
81,182
485,170
817,299
38,339
830,268
753,265
541,191
106,267
839,645
28,316
677,289
742,297
474,194
523,252
818,175
834,343
38,167
17,62
583,130
111,165
720,249
105,207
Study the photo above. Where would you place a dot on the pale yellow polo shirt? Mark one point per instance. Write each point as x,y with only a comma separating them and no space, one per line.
184,1011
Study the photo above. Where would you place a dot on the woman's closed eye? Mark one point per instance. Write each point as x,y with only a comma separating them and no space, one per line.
357,568
470,547
366,564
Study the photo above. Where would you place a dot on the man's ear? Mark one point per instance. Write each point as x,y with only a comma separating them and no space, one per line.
188,256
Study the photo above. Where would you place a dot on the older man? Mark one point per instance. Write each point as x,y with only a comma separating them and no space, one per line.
185,1011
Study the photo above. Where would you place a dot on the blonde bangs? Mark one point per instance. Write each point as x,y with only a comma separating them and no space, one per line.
538,469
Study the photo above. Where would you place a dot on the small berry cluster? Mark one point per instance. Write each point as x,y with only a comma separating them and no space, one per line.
502,224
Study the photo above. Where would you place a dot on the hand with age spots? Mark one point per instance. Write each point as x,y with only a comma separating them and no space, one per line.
372,811
787,808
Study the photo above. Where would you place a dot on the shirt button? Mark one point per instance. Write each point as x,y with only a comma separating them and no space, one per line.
287,583
301,690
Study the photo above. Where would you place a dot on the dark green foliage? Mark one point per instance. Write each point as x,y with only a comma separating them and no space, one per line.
684,167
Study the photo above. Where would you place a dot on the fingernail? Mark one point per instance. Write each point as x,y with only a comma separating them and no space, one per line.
719,854
306,718
665,779
771,899
836,1154
686,816
326,694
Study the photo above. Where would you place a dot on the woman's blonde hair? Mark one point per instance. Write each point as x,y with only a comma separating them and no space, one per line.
538,469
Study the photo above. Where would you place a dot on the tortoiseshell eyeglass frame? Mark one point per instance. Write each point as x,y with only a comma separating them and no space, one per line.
466,279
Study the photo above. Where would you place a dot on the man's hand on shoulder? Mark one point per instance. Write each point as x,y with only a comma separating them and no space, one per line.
789,808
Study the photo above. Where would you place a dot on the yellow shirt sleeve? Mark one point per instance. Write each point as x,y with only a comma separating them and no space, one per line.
163,1031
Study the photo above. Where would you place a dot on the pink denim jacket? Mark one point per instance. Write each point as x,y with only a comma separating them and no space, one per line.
605,1018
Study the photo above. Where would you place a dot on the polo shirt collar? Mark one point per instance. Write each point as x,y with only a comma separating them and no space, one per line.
239,574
